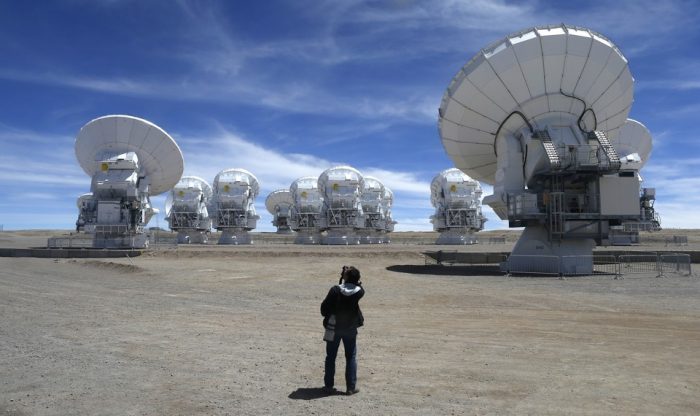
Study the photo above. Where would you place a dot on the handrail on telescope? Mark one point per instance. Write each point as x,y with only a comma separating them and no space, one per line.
532,131
586,108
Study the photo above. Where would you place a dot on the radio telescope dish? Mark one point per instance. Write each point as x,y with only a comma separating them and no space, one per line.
235,191
186,210
87,211
306,211
534,115
341,188
160,158
279,203
457,201
82,198
388,220
544,76
633,144
372,198
129,159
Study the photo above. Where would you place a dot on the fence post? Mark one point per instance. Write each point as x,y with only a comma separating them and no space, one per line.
560,264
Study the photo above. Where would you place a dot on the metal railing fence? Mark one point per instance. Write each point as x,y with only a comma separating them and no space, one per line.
659,264
677,240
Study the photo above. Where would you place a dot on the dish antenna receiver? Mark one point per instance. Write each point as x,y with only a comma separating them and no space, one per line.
87,212
457,201
235,191
373,199
306,211
186,210
341,188
634,144
129,160
279,203
534,115
388,220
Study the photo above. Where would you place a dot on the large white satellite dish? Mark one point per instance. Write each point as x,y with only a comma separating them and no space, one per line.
457,201
633,144
159,156
82,199
129,159
341,188
279,203
388,219
187,212
373,200
306,213
235,191
534,115
551,75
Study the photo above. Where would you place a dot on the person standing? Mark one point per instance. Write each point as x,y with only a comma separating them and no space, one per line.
341,318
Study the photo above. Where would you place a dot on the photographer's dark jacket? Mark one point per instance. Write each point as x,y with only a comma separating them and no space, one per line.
342,301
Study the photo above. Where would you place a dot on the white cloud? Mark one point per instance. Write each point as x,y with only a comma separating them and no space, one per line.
400,181
413,224
38,159
676,199
475,14
21,169
44,220
493,222
457,26
679,74
275,169
286,96
415,202
687,216
36,196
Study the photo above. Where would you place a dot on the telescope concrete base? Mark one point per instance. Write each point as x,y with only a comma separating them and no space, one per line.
619,237
370,237
341,238
534,253
192,237
235,237
100,240
454,237
304,237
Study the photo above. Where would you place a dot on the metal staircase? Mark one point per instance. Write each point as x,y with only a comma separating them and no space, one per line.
608,148
549,149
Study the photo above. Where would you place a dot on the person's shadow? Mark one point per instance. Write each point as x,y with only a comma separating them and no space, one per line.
311,393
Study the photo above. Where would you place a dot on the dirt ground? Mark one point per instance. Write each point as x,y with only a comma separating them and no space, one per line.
237,331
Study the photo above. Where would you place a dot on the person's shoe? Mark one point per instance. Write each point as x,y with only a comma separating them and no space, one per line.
352,391
329,390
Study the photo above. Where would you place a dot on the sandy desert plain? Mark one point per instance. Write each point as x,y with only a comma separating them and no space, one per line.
234,330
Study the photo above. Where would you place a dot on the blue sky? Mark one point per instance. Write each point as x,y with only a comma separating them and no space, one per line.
289,88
